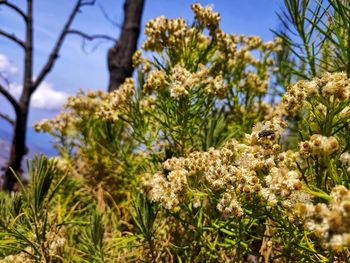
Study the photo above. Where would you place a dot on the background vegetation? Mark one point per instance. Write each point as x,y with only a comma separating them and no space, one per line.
223,148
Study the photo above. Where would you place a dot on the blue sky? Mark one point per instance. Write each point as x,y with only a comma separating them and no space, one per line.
77,69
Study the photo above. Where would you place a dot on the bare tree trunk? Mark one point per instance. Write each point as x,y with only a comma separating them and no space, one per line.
120,55
18,147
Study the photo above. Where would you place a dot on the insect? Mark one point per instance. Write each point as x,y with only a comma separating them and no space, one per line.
266,133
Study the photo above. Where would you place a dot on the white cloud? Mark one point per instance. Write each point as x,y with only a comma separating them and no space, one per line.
6,67
15,89
45,97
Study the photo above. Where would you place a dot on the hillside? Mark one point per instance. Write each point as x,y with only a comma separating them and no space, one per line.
37,144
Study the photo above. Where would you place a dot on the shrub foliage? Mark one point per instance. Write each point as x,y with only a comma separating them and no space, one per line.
224,148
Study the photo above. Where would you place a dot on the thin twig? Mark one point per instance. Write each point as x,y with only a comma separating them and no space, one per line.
7,118
10,98
15,8
90,37
5,79
12,37
55,51
83,3
107,17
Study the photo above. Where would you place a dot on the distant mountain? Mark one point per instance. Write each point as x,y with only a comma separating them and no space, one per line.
5,132
4,152
37,143
5,138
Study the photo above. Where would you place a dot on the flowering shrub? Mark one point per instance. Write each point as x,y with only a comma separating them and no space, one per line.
187,99
191,163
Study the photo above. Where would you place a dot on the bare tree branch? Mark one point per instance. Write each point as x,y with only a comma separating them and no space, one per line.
55,51
107,17
5,79
12,37
15,8
7,118
10,98
87,2
91,37
18,145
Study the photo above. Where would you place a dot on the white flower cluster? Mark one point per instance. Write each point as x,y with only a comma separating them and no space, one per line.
236,170
281,184
63,124
170,191
117,101
318,145
21,257
332,86
99,104
54,243
162,32
345,160
330,221
206,16
181,82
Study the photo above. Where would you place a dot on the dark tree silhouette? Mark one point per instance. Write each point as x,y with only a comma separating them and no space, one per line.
120,55
30,84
